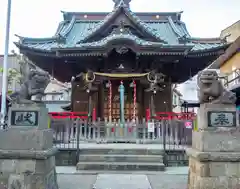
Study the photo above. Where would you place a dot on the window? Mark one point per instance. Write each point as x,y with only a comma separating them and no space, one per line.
48,97
174,99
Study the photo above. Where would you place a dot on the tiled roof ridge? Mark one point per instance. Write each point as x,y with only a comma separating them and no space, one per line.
128,36
69,28
59,35
60,27
71,14
174,28
186,36
207,40
37,40
130,14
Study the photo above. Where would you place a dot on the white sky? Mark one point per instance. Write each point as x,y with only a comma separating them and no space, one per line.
39,18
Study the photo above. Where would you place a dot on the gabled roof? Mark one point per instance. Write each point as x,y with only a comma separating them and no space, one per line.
124,9
75,34
99,16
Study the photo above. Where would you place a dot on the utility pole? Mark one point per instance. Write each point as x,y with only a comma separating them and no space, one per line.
5,66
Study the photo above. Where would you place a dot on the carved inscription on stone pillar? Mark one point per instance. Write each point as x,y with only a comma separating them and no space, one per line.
221,119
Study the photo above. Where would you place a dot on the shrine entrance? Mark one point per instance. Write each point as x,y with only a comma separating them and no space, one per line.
119,97
120,100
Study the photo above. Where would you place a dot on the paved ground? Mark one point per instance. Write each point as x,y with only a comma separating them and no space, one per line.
172,178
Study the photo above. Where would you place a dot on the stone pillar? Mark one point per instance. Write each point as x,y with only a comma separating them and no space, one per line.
214,159
26,149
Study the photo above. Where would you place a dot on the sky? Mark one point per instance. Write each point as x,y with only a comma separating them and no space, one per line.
40,18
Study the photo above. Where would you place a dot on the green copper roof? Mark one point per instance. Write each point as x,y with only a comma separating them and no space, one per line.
126,10
75,33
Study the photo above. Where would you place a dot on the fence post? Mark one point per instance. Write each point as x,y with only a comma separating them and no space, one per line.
164,142
164,134
78,139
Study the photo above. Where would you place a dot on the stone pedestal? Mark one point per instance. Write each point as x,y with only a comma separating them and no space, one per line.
27,158
214,159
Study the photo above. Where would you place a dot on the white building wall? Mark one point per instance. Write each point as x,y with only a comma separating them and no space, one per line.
189,91
176,101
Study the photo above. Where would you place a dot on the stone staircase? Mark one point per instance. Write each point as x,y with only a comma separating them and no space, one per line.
121,160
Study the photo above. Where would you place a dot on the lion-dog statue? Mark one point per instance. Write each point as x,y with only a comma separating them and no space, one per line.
211,89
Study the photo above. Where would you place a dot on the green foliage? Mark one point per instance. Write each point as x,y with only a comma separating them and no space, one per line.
18,75
13,75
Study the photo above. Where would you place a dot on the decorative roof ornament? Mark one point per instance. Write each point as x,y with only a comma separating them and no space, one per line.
121,50
121,2
120,66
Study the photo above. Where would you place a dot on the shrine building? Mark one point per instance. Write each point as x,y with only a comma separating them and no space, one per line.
122,63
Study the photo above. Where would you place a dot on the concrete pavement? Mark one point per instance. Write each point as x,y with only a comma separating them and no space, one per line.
172,178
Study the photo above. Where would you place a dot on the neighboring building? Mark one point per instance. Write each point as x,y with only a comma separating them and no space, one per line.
57,91
229,65
56,105
121,46
57,96
232,32
12,64
176,101
188,90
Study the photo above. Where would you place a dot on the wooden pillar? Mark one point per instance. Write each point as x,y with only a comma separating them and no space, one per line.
146,98
140,100
101,101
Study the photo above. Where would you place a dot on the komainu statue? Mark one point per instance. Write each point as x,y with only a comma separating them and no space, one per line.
211,90
33,83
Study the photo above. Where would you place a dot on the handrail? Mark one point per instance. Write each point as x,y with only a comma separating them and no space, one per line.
229,82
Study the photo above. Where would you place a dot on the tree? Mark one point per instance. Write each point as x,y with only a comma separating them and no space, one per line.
12,75
15,74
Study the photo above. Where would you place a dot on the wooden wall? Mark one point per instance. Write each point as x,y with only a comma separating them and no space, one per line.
100,100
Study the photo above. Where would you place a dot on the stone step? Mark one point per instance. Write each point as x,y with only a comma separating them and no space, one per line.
120,166
120,158
123,151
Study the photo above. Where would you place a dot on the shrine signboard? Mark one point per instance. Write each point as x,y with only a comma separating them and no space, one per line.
24,118
222,119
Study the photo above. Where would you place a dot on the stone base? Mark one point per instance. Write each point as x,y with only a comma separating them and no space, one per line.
29,171
30,139
224,182
213,170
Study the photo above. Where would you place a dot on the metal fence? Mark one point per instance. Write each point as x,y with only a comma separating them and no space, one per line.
169,134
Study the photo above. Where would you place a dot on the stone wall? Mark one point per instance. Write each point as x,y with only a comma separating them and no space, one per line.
35,173
214,175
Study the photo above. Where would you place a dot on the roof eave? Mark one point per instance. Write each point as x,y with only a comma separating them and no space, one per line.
221,47
25,40
40,52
